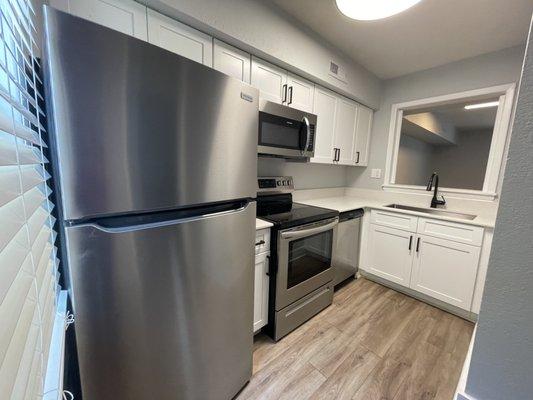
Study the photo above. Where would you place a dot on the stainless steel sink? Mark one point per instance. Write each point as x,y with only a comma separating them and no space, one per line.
433,211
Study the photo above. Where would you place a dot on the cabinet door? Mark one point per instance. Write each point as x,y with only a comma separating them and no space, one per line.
179,38
362,135
445,270
324,107
345,130
389,254
300,93
261,291
126,16
231,61
270,80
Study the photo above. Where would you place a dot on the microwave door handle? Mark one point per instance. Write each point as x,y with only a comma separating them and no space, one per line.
308,232
305,120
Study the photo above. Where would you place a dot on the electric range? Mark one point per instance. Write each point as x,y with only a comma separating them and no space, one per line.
301,276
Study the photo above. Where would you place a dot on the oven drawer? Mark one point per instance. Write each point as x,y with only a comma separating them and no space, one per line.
297,313
262,240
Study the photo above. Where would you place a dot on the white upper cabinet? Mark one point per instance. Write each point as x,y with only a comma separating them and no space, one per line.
343,129
179,38
344,135
270,80
300,93
362,135
325,103
231,61
445,270
126,16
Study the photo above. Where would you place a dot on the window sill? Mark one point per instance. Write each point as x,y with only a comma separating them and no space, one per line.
456,193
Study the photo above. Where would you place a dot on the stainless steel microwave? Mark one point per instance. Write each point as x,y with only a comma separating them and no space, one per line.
285,131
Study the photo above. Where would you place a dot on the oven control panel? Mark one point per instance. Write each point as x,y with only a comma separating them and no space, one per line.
276,184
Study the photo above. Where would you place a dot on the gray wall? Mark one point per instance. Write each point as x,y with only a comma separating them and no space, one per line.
472,73
502,360
264,30
462,165
306,176
414,167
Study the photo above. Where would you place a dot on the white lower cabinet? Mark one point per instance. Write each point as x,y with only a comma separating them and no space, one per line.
445,270
261,278
261,282
390,254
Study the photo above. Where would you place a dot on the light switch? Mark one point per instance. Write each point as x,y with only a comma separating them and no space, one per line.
375,173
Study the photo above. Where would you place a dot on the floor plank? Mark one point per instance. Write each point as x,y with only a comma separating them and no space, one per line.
371,343
349,376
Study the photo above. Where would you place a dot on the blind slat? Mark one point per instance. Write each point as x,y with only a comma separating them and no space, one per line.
12,219
12,259
11,308
28,257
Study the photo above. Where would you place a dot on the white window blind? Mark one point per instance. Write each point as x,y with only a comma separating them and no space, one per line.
28,261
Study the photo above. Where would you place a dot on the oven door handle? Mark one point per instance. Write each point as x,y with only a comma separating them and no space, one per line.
308,232
305,120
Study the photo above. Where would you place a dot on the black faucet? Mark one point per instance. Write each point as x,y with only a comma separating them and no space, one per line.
435,201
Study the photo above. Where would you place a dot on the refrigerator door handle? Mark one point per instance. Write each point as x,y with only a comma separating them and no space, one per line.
132,227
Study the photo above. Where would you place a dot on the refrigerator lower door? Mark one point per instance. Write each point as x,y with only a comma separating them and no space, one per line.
164,310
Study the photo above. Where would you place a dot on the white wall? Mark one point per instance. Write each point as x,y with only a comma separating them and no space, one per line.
306,176
473,73
264,30
501,366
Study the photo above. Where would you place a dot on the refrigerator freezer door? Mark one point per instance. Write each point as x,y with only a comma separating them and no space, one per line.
164,311
138,128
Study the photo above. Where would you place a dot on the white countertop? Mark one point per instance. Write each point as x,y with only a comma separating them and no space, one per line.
262,224
347,203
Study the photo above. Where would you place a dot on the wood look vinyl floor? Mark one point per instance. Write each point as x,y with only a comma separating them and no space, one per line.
371,343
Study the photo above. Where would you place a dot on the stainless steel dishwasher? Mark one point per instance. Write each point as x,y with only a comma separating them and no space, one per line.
345,258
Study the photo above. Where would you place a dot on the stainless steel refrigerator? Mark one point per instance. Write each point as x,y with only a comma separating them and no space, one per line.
154,157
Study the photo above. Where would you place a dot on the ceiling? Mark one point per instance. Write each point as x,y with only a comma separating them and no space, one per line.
432,33
464,120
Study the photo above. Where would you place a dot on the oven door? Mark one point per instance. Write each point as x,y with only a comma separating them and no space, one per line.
304,260
285,132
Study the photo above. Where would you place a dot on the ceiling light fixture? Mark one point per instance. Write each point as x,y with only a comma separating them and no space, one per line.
482,105
367,10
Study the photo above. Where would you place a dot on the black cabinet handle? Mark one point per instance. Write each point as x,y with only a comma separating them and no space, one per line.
410,242
284,94
417,244
339,156
290,95
268,266
358,154
261,242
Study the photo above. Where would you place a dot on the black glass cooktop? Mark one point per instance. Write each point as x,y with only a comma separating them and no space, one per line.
283,213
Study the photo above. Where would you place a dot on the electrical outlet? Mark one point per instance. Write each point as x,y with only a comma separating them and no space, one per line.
375,173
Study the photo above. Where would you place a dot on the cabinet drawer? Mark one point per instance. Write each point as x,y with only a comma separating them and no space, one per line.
461,233
394,220
262,240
